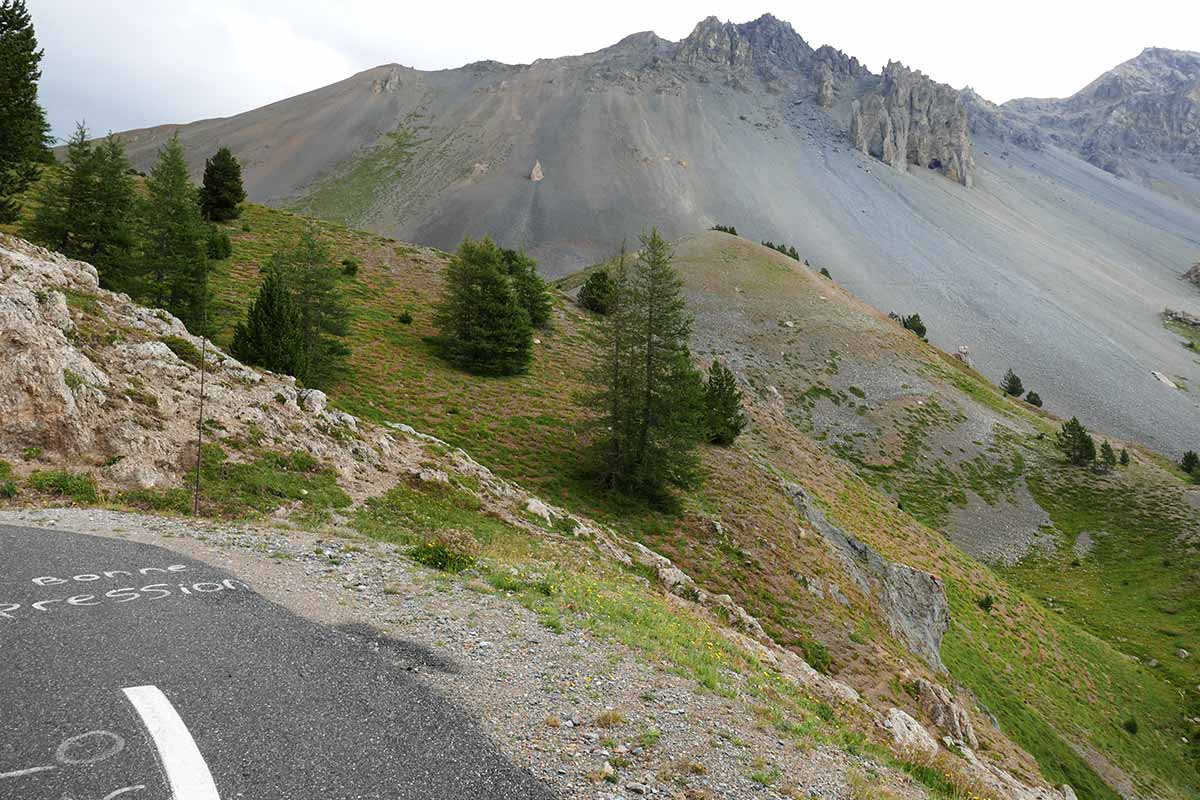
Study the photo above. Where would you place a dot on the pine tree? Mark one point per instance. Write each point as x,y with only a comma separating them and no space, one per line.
312,280
222,191
793,253
270,336
723,405
1012,384
912,322
598,292
484,327
24,134
1107,456
651,395
63,205
1076,443
174,240
529,287
1190,462
1033,398
1124,457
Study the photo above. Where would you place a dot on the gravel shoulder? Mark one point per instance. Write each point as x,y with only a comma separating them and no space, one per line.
593,719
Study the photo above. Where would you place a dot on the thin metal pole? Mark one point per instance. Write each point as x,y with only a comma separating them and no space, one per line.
203,370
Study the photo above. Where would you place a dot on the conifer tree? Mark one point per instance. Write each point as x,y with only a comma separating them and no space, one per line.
484,327
912,322
651,396
723,405
312,280
24,134
174,240
1034,399
1076,443
1190,462
1124,457
529,287
1012,384
65,198
598,292
222,191
270,336
86,209
1107,456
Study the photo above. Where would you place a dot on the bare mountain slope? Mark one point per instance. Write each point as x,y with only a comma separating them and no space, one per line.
1046,263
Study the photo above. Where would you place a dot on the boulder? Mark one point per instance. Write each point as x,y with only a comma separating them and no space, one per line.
536,174
945,713
1193,274
909,735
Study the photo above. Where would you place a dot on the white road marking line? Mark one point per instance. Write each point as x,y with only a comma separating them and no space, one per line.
181,760
21,772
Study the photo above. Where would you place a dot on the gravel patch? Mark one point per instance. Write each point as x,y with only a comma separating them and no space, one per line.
1003,533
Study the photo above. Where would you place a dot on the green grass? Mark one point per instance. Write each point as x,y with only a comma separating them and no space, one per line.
259,483
77,487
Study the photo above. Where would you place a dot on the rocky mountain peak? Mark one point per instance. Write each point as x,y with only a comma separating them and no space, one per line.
764,42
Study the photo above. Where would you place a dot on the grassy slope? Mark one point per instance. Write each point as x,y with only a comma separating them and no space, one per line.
1037,672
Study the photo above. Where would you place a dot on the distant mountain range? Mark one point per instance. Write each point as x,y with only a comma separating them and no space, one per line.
1046,235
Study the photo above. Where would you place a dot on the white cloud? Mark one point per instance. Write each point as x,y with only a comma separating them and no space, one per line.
144,62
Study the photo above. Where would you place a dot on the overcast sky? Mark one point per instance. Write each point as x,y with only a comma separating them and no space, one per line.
133,63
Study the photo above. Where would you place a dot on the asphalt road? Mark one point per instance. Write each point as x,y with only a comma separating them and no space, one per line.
128,672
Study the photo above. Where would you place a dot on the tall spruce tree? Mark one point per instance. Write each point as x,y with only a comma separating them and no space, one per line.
1107,456
174,240
484,327
723,405
67,194
529,287
1076,443
1012,384
24,134
270,337
651,395
222,191
86,209
312,280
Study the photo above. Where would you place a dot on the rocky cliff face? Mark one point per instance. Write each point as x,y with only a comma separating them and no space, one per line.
766,43
910,119
1193,274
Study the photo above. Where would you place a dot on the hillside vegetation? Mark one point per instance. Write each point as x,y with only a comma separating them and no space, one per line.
1057,675
889,436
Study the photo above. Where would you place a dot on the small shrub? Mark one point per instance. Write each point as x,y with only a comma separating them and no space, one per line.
405,317
825,273
598,293
31,453
72,379
8,489
817,655
1034,399
1131,726
219,246
449,550
1189,462
986,603
610,718
245,227
185,350
79,488
349,267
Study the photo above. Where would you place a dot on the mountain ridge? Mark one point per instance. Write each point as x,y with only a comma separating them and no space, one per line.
1046,263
